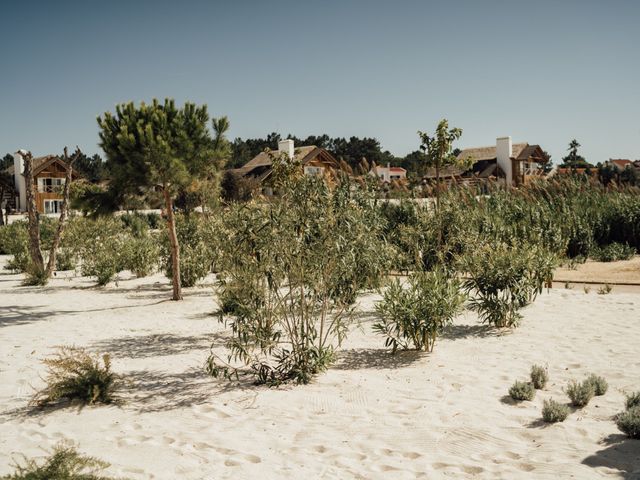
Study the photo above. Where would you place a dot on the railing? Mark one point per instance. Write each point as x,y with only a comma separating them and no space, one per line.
50,188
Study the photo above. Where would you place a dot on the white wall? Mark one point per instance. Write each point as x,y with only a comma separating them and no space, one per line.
21,186
503,155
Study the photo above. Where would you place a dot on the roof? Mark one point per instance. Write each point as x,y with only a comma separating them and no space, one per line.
264,159
519,151
620,163
39,163
397,169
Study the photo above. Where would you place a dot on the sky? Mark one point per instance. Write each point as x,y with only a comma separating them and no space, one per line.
543,72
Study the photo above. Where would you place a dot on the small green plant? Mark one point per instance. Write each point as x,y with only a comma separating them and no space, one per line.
580,393
418,314
586,289
612,252
629,422
600,385
65,260
503,279
140,254
632,400
553,411
65,463
568,286
75,374
520,391
605,289
539,376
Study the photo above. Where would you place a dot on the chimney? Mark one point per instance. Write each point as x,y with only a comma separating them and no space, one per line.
286,146
21,186
503,157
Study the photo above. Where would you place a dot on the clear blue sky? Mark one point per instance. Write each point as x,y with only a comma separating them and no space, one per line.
541,71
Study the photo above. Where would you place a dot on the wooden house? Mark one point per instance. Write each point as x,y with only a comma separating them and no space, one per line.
313,160
48,181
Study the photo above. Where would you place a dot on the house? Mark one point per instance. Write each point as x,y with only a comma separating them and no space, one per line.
620,164
49,174
389,174
513,163
313,160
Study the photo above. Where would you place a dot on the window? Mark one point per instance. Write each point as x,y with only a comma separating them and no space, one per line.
50,185
52,206
313,170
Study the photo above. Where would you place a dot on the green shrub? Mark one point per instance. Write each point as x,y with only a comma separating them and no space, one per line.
65,260
75,374
197,254
629,422
539,376
580,393
520,391
599,384
418,314
553,411
290,251
503,279
632,400
141,254
14,240
65,463
612,252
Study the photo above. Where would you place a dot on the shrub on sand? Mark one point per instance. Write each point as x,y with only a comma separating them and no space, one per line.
417,314
539,376
522,391
65,463
600,385
629,422
632,400
75,374
553,411
580,393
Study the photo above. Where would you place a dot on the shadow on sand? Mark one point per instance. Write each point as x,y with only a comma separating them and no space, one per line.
376,358
621,453
153,345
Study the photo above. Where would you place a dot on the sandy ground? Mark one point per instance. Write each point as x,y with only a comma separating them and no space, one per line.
439,415
623,272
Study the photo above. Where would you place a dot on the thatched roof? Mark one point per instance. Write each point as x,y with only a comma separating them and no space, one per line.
39,164
519,151
263,161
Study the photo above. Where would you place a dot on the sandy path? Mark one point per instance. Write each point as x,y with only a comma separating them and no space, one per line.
442,415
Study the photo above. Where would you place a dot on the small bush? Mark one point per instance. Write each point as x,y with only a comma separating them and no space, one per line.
65,260
141,254
503,279
65,463
612,252
629,422
73,373
522,391
553,411
419,313
580,393
605,289
539,376
632,400
600,385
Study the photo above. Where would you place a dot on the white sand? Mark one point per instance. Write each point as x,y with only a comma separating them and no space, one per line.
442,415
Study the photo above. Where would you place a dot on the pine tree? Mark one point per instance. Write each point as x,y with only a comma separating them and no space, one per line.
157,147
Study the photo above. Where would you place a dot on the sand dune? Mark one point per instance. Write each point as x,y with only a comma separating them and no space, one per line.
441,415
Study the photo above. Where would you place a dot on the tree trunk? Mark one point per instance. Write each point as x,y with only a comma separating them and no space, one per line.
175,247
51,264
37,262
